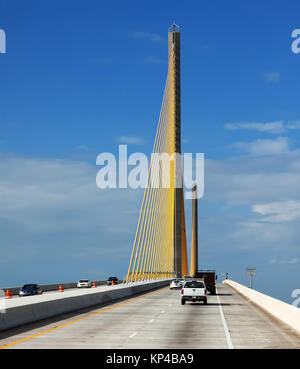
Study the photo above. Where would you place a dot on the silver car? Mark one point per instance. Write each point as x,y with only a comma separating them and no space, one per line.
175,284
84,283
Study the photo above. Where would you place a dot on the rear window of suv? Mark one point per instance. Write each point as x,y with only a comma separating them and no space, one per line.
194,285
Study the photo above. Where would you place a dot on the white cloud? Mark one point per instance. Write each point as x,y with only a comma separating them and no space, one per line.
293,124
153,37
271,77
284,262
152,60
53,208
278,212
251,180
276,127
280,145
269,127
232,188
82,147
131,140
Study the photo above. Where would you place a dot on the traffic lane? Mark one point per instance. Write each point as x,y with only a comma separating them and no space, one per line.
189,326
250,327
155,320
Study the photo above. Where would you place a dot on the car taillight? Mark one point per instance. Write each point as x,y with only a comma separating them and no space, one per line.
182,291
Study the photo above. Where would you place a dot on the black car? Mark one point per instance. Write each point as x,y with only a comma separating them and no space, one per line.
110,279
30,290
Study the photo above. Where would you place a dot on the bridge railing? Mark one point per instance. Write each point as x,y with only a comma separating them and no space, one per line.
286,313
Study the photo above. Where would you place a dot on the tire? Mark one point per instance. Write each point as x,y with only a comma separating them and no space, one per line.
205,302
182,301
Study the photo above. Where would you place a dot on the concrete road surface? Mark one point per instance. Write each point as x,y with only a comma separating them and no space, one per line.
157,320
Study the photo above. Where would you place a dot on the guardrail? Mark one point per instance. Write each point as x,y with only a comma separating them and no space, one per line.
280,310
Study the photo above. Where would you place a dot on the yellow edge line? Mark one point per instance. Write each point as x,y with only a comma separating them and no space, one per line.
78,320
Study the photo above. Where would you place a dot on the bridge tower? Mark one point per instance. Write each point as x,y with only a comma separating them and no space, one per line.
174,60
159,248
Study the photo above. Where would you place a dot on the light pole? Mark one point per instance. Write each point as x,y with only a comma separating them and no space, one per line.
251,272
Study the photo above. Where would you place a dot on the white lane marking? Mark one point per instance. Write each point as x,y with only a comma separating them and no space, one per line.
133,334
151,321
226,330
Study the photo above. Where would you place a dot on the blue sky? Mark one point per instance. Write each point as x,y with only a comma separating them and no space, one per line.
79,77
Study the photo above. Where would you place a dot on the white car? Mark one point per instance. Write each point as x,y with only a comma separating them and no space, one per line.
194,291
175,284
84,283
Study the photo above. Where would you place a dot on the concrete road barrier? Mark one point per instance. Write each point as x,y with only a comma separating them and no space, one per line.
286,313
52,287
34,308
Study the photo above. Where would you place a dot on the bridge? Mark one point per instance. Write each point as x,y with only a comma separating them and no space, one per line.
157,320
143,312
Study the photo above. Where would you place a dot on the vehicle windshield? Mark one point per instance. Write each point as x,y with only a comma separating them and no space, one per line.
83,281
176,281
29,287
194,285
112,278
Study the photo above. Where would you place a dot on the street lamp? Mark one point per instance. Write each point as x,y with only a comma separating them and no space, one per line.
251,272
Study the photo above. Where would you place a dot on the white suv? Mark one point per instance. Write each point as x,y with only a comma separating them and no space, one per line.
84,283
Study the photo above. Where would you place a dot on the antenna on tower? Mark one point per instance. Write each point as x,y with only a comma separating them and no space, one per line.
174,27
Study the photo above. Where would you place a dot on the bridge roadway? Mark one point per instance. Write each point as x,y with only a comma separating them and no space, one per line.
157,320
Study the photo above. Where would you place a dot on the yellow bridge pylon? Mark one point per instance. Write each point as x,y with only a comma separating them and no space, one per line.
159,248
